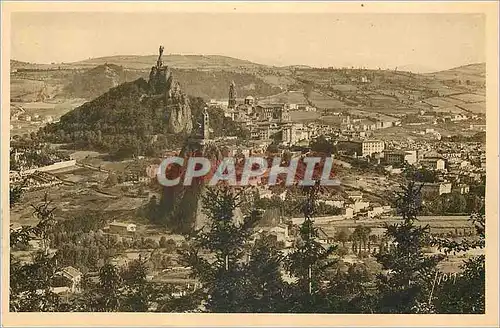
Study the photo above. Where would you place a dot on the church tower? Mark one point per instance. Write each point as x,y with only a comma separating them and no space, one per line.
205,127
232,96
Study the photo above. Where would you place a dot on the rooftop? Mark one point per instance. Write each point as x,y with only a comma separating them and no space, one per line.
120,224
71,271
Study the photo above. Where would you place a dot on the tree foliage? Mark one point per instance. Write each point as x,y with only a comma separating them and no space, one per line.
406,287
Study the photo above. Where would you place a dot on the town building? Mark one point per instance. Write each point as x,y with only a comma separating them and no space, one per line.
461,188
275,112
355,195
361,147
122,228
369,147
433,163
69,277
400,157
293,133
430,190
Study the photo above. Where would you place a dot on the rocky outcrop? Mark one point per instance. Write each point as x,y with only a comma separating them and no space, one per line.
182,206
161,83
177,104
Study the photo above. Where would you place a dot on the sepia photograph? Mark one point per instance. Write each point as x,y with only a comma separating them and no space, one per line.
250,160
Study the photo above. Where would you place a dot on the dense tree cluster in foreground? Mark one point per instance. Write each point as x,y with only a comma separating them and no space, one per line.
237,275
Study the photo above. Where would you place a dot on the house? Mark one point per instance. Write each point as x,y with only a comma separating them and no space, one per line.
400,157
324,238
122,228
394,157
436,189
360,205
280,231
370,147
434,163
349,212
268,112
335,201
249,100
69,277
292,133
478,127
461,188
355,195
304,107
375,211
36,243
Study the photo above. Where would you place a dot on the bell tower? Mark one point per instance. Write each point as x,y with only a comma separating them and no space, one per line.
232,96
205,127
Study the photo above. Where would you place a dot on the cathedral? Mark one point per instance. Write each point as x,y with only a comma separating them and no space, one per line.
252,111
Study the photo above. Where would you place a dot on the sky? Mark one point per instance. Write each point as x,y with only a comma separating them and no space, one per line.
418,42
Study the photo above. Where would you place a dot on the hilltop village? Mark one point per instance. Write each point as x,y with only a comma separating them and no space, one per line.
379,133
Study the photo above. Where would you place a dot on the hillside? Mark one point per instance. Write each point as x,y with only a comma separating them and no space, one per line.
472,72
205,84
386,92
136,118
201,76
174,61
128,119
92,83
137,62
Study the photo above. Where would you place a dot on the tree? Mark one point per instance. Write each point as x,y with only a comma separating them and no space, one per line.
137,294
322,145
361,235
162,242
351,291
265,289
170,246
309,261
45,214
15,194
112,179
223,278
466,293
108,299
406,287
421,175
30,283
343,236
272,148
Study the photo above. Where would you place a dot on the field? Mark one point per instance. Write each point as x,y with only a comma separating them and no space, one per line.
443,105
78,195
473,72
372,114
290,97
322,101
458,103
331,120
25,88
55,109
469,98
303,116
476,108
344,87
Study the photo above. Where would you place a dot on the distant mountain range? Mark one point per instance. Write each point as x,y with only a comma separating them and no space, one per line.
145,62
209,77
209,62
